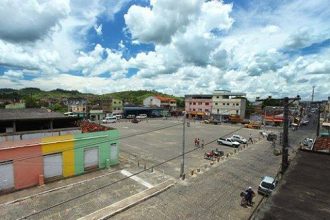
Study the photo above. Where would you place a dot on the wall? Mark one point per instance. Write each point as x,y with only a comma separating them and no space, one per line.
199,104
102,140
27,163
151,101
64,144
27,155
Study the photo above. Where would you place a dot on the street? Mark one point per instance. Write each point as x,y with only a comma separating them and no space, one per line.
212,193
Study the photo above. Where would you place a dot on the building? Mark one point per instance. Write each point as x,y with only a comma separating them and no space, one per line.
227,103
108,105
17,105
77,106
198,106
149,111
160,101
303,192
31,162
22,120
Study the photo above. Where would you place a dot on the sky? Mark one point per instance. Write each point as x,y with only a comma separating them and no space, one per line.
261,47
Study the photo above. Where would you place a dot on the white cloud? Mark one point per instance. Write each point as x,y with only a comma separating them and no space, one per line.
30,20
98,29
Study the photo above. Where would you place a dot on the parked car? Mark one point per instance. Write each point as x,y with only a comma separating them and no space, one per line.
110,119
228,142
308,142
141,116
130,116
305,122
239,139
271,137
267,185
117,115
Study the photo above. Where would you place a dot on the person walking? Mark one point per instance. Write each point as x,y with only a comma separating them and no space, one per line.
202,144
250,139
198,142
195,142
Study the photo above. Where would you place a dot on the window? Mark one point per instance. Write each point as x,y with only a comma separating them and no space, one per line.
200,110
227,103
190,103
193,109
194,103
151,100
114,102
206,110
237,112
223,103
237,104
216,103
200,103
206,103
217,97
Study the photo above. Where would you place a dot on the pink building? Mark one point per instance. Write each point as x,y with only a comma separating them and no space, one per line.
199,106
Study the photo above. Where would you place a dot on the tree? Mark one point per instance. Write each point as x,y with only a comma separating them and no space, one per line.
31,102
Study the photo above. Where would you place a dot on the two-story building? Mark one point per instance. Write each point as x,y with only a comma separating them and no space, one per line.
160,101
78,106
227,103
199,106
101,107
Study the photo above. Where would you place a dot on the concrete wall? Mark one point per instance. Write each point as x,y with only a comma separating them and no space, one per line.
27,163
151,101
102,140
27,155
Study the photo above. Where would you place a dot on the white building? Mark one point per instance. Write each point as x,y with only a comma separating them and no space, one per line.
160,101
228,103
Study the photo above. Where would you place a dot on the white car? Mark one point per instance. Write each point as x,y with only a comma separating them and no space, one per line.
267,185
239,139
228,142
308,142
141,116
110,119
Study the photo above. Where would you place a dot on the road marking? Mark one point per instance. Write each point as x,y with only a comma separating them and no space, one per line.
136,178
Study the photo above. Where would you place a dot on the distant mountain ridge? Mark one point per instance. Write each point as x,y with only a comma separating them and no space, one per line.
132,97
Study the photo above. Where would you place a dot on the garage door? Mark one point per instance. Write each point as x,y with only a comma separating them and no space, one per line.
53,165
6,175
113,152
91,158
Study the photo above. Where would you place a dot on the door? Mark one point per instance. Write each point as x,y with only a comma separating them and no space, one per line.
91,159
6,175
113,152
53,165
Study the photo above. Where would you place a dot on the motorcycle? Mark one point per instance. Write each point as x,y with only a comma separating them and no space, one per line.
209,155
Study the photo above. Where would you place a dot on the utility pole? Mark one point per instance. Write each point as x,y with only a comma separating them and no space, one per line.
182,175
318,120
285,145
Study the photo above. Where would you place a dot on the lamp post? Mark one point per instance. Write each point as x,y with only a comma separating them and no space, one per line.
182,175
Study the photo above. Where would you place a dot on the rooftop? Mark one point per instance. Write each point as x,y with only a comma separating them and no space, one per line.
229,93
322,144
304,191
28,113
199,96
165,99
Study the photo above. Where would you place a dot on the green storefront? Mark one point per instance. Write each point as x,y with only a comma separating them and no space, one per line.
95,150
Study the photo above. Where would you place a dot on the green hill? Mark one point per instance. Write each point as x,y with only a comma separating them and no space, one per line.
39,97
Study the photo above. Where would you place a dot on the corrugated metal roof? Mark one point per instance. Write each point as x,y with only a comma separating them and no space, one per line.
28,113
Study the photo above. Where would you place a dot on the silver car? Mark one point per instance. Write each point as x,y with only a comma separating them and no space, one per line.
267,185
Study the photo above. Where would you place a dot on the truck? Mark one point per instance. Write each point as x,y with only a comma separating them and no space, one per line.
253,124
235,119
228,142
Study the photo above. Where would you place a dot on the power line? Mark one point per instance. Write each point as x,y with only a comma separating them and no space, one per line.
122,179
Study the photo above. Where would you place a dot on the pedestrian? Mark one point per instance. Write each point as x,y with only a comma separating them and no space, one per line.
202,143
249,196
195,142
198,142
250,139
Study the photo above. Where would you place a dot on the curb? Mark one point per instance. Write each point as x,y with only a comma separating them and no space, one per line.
129,202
